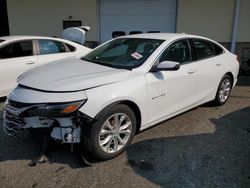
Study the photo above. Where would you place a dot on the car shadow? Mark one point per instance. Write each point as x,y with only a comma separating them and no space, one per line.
3,99
243,81
27,146
219,159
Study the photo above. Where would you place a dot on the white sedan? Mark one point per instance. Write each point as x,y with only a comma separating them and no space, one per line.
124,86
20,53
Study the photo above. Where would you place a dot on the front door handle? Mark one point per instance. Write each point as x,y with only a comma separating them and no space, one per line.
191,71
218,64
30,62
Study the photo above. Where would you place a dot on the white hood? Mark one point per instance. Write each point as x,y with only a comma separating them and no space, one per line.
71,75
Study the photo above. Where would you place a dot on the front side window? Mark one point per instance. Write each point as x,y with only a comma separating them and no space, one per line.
17,49
178,52
51,47
125,53
203,48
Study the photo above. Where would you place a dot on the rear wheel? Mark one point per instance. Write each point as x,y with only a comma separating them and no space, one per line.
224,90
111,134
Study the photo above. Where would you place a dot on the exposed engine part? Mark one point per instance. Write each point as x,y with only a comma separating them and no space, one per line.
66,135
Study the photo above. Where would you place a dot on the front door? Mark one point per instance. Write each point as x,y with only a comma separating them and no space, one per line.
172,91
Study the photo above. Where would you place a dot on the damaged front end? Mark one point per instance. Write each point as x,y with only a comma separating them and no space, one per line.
63,119
46,114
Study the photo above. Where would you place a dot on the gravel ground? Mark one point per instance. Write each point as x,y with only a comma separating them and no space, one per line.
205,147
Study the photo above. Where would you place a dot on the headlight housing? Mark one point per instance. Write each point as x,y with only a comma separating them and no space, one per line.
55,110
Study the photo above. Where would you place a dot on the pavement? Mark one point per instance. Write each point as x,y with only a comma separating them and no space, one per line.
204,147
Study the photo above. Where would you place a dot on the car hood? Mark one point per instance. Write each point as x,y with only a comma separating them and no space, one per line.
71,75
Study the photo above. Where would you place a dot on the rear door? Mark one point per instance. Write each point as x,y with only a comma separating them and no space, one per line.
172,91
210,67
15,59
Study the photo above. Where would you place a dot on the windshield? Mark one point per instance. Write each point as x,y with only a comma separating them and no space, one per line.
126,53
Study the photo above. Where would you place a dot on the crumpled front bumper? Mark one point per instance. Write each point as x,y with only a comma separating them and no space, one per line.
12,122
64,129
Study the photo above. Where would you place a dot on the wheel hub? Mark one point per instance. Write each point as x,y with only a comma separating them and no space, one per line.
115,133
224,90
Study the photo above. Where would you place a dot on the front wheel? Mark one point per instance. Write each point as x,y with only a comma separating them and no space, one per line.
111,134
224,90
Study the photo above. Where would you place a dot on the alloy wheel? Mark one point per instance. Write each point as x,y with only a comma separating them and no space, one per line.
115,133
224,90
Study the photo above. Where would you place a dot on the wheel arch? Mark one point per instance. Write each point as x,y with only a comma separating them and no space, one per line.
133,106
231,76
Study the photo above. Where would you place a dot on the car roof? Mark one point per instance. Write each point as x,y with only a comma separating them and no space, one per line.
163,36
23,37
7,39
29,37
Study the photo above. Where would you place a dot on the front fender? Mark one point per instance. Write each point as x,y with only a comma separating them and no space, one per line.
133,90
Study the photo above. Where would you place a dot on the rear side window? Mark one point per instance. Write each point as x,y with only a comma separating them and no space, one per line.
51,47
203,48
17,49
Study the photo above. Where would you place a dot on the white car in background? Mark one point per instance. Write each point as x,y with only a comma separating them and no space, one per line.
21,53
125,85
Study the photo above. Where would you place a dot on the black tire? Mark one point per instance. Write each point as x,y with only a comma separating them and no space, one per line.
218,100
91,132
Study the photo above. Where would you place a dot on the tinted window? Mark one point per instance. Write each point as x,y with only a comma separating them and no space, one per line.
71,23
51,47
71,48
17,49
118,34
203,49
217,50
178,52
135,32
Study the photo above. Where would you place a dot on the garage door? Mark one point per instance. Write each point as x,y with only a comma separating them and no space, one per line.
136,15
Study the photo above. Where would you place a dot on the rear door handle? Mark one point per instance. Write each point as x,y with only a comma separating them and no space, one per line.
218,64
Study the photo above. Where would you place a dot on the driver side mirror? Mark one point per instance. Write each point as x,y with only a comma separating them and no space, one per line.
166,66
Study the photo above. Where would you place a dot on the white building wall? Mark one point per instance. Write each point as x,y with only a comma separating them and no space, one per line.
210,18
45,17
